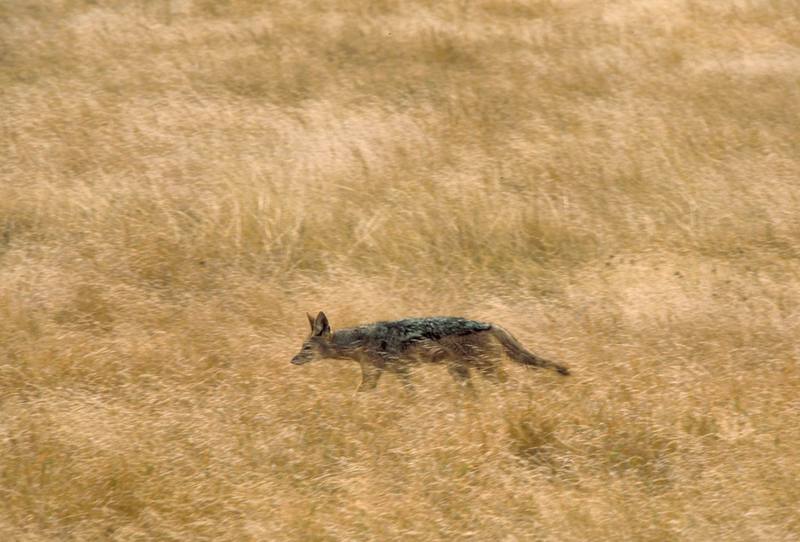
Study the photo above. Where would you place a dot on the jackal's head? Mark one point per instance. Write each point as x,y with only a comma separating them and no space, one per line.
317,344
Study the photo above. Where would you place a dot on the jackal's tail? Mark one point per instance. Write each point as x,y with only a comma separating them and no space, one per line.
517,352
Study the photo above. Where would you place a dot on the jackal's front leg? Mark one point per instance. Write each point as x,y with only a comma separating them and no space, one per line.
404,373
369,377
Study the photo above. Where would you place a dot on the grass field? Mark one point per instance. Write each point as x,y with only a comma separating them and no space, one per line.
617,183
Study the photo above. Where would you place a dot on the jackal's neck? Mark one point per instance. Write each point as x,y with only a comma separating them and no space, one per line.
343,345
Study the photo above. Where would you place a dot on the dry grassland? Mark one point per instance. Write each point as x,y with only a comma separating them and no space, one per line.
617,183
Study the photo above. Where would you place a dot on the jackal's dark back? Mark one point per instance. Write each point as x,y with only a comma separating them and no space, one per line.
401,334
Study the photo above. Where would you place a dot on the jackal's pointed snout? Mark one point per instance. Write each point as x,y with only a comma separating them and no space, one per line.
297,360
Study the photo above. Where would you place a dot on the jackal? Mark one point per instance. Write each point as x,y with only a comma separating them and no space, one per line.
459,343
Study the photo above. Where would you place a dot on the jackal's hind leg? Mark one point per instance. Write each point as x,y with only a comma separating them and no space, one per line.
493,372
460,373
483,355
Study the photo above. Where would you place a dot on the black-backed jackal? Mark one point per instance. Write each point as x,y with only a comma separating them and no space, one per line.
459,343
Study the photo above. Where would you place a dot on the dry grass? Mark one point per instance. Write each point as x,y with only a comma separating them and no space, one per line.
615,182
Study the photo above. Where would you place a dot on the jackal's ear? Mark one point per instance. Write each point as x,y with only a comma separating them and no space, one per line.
321,325
310,321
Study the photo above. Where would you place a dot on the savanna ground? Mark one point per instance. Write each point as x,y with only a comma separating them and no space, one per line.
615,182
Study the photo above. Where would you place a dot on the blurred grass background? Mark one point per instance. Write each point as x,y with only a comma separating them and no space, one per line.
615,182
